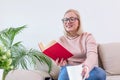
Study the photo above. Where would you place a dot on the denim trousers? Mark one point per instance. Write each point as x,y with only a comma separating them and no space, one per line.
96,73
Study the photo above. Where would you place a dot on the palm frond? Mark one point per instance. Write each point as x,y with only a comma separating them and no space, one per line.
41,57
18,55
5,42
7,36
22,56
14,31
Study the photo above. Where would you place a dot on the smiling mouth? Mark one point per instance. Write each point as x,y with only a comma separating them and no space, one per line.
69,26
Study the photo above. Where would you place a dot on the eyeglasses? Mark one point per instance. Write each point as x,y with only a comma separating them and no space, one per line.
71,19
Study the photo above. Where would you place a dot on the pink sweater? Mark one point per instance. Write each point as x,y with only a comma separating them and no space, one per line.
84,49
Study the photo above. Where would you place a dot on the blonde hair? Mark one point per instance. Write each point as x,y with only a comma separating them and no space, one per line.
79,31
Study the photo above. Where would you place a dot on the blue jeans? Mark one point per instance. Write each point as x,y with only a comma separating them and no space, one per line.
96,74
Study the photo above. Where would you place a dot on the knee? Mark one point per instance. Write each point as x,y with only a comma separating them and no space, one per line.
97,74
100,74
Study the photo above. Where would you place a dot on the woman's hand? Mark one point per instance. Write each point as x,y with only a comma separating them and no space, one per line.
61,63
85,72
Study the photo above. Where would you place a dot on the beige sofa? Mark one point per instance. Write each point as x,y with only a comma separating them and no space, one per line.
109,57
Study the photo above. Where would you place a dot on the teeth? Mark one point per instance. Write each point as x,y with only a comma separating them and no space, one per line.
69,26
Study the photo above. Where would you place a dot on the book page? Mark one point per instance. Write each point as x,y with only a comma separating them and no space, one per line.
74,72
43,47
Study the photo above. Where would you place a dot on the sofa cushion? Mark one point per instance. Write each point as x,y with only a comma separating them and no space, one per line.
110,57
115,77
26,75
54,71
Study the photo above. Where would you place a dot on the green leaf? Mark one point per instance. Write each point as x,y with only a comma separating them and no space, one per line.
7,36
21,56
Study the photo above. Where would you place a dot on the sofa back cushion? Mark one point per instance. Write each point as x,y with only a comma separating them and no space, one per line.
110,57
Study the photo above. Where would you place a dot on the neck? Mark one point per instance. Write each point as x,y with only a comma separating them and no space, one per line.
72,34
70,37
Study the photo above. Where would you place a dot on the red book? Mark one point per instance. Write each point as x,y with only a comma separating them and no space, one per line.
54,50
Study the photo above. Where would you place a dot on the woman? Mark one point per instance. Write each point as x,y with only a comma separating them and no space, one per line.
82,45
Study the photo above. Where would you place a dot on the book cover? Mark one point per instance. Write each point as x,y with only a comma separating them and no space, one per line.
54,50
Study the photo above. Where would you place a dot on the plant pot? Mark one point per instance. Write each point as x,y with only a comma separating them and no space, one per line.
1,73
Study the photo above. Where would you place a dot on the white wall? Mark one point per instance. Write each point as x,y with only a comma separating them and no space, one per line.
43,18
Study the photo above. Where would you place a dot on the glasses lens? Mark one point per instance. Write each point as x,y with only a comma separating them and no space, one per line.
71,19
65,19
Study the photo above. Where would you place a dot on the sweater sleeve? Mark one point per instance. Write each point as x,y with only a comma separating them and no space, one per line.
91,52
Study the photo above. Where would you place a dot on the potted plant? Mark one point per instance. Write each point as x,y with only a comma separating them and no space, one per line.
5,61
20,55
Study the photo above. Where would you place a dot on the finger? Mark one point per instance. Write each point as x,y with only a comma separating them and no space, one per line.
83,72
86,75
64,62
61,61
57,61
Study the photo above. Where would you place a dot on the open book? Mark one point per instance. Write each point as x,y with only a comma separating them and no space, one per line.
54,50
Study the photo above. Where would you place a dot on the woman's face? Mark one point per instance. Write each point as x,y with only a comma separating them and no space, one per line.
70,22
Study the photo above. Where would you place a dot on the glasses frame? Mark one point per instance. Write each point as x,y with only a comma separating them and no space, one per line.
71,19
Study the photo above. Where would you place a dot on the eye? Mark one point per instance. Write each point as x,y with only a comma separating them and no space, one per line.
72,19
